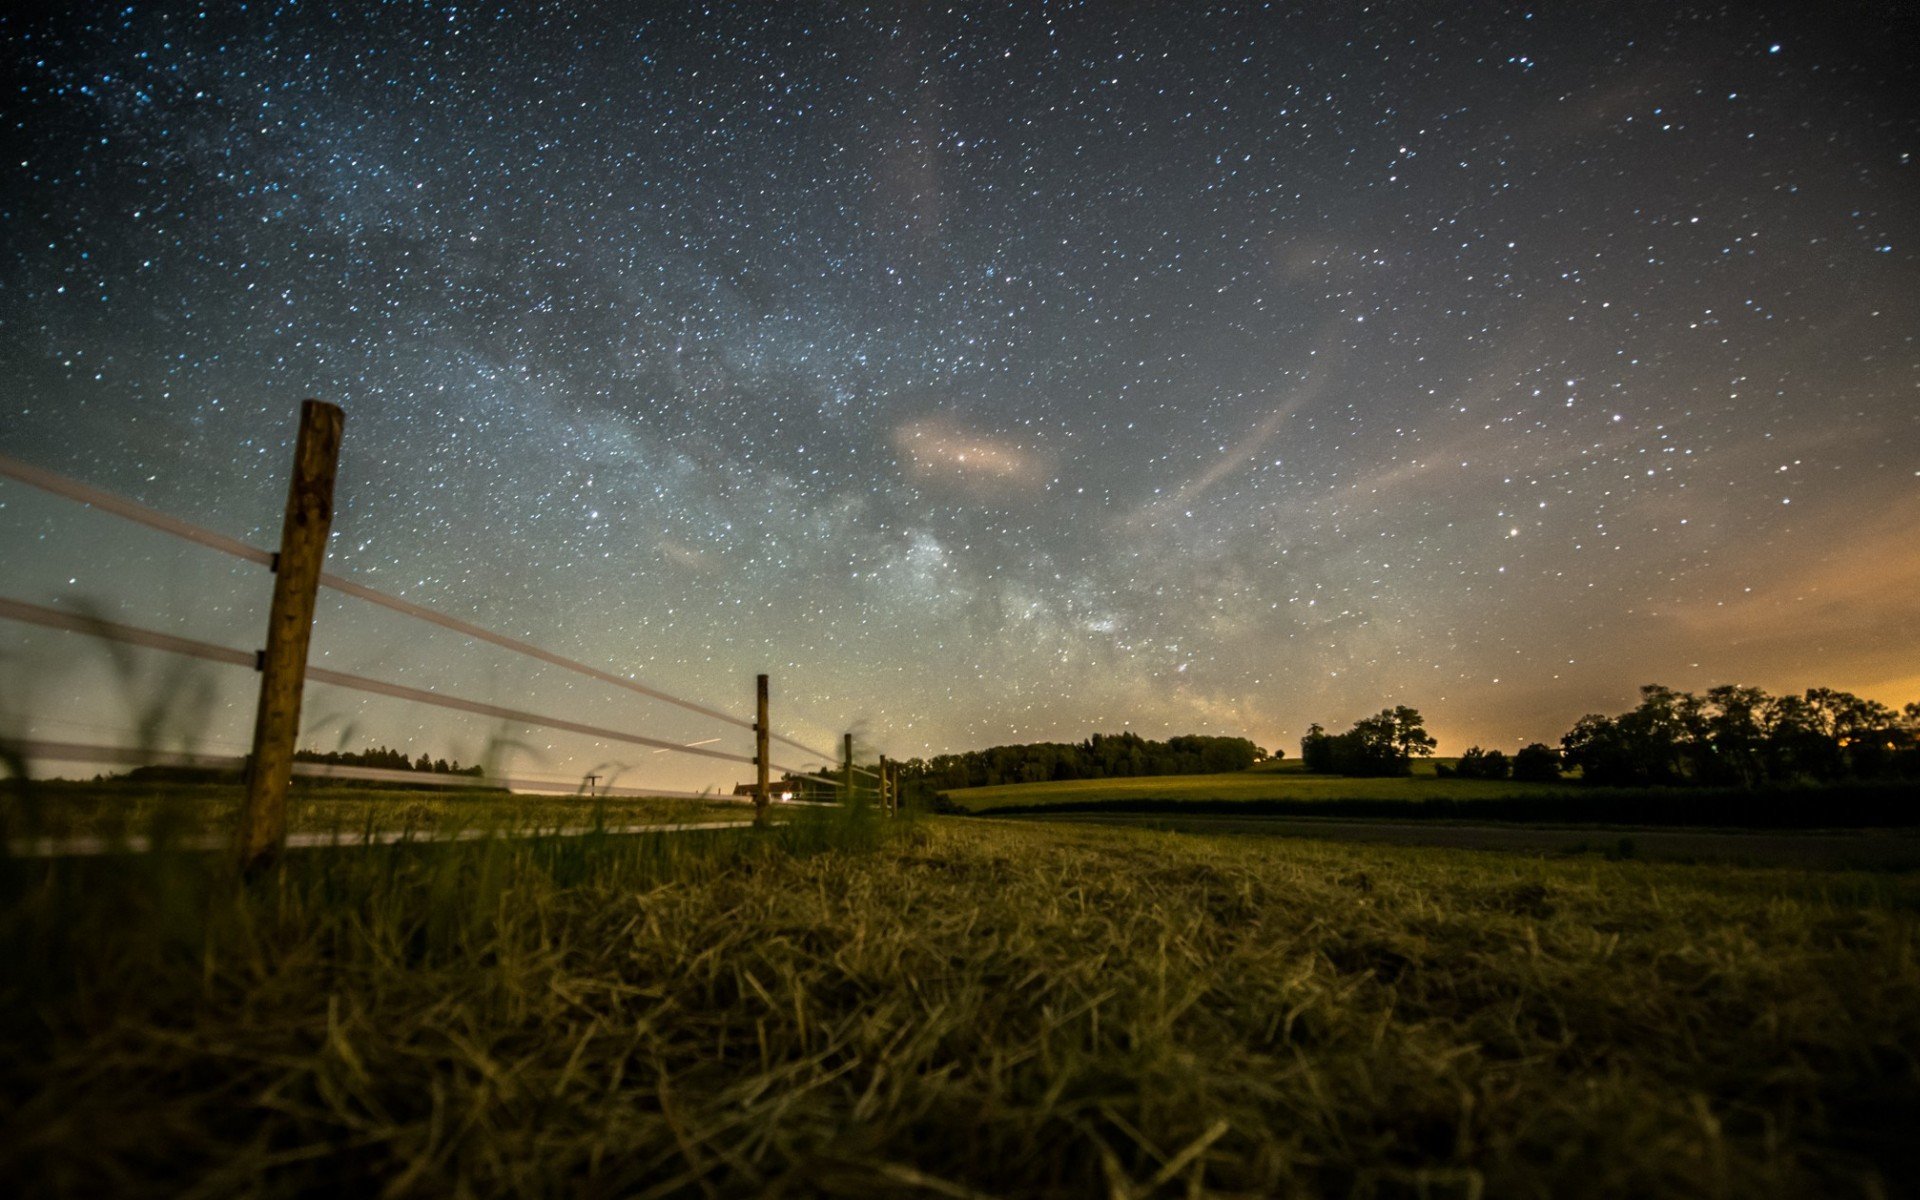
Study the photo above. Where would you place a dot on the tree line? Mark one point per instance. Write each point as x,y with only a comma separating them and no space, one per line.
386,760
1102,756
1733,736
374,756
1742,737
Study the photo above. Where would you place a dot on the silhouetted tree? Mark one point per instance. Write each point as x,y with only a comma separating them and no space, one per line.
1316,750
1382,744
1536,763
1482,764
1410,732
1732,748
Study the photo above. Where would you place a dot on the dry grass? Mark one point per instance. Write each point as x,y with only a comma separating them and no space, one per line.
961,1008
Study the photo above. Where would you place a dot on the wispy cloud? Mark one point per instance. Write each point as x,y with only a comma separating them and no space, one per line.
939,452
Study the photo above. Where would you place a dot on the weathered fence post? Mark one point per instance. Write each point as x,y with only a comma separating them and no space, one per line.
846,770
762,791
283,664
886,796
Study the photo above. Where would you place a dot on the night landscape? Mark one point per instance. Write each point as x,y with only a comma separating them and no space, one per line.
1030,599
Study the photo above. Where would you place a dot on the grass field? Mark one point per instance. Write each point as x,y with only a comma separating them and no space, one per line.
1838,849
1288,782
955,1007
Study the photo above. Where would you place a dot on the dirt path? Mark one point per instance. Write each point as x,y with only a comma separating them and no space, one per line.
1869,849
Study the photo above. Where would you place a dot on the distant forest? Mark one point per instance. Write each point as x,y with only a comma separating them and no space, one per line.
385,760
1102,756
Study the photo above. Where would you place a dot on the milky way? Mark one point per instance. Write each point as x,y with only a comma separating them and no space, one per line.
983,375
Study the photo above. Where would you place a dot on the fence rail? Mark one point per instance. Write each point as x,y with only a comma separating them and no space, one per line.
285,670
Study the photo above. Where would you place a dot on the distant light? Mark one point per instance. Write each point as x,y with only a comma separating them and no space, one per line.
1774,49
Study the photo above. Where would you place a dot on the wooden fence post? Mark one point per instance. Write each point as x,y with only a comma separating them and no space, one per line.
283,664
762,791
886,796
846,770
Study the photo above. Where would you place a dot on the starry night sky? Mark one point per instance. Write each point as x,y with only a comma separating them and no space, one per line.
985,374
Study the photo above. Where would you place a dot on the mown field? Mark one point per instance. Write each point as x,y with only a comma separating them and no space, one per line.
66,809
1286,781
1289,792
954,1007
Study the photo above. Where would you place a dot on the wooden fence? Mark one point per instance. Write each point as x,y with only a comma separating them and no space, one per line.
299,572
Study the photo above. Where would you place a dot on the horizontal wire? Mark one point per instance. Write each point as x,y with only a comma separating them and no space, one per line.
37,614
128,755
113,631
819,754
73,489
363,592
313,770
131,756
808,777
402,692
